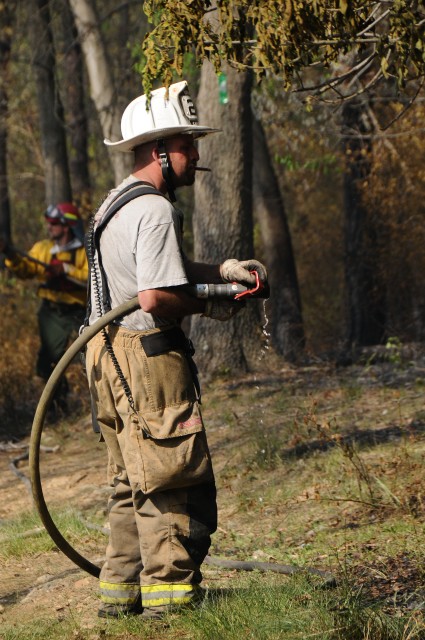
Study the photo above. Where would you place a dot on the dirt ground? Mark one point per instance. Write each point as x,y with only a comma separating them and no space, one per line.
73,473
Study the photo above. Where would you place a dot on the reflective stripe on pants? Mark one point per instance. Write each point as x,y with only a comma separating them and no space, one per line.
119,593
168,594
157,540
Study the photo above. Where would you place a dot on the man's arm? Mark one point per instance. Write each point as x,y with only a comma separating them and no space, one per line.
171,302
30,265
202,273
79,270
174,302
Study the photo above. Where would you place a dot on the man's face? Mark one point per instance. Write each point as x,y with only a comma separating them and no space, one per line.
183,156
56,230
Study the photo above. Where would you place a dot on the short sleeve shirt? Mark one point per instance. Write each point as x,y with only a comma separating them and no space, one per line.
141,249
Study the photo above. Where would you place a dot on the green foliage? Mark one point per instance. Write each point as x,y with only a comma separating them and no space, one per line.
46,629
393,345
263,609
325,163
283,37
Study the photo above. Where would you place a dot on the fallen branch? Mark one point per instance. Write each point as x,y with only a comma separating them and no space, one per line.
13,465
11,446
31,532
289,570
237,565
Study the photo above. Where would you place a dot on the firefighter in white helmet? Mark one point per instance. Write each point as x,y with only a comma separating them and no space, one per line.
142,378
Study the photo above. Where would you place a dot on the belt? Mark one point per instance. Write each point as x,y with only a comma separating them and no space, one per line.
171,340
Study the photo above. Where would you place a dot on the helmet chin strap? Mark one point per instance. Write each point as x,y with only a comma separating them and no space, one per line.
166,170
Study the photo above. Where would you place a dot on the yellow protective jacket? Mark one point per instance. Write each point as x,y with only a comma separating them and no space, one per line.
67,290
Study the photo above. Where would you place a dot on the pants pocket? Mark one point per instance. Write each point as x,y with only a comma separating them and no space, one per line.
173,449
168,380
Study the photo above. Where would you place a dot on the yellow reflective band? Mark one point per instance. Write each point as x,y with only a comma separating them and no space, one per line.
163,594
154,588
119,593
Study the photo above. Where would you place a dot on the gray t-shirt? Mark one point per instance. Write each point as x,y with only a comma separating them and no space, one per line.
141,249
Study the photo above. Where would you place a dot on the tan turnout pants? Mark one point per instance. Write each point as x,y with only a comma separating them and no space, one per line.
162,511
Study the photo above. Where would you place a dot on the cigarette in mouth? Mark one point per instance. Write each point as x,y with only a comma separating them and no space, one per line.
202,169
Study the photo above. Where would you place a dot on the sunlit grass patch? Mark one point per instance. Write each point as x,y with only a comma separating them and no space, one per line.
49,629
264,608
26,536
257,607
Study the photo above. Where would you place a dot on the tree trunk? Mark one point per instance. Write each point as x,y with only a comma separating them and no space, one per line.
222,222
58,186
103,92
365,293
6,12
286,318
75,112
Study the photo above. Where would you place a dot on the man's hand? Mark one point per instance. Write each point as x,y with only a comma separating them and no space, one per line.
239,271
222,309
55,268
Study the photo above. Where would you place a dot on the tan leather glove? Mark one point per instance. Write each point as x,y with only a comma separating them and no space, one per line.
239,271
222,309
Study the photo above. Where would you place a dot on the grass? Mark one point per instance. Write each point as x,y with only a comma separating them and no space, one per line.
262,606
258,607
25,536
353,507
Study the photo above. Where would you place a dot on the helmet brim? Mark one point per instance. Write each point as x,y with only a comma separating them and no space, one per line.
128,145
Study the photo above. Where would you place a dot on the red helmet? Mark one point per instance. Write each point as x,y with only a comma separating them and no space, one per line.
65,212
67,215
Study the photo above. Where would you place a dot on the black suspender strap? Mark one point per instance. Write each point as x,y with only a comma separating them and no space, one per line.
130,192
103,305
92,242
176,337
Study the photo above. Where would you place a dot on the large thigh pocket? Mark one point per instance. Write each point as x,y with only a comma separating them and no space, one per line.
173,449
168,380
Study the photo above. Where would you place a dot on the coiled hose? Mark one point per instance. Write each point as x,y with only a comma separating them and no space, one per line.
37,428
34,463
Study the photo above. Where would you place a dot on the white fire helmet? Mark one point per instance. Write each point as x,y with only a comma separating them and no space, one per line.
166,116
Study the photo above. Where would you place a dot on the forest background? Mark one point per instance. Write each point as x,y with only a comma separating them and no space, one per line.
318,170
315,172
315,410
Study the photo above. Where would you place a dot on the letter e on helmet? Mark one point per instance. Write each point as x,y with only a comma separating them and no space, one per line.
168,114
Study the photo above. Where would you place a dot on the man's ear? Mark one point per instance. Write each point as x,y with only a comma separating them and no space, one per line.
155,154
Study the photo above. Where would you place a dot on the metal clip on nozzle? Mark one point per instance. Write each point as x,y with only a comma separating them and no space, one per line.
257,291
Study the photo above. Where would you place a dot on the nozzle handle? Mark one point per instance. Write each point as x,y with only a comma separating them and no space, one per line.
223,291
229,291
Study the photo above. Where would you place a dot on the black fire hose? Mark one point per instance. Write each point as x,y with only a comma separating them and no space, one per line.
37,427
34,462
